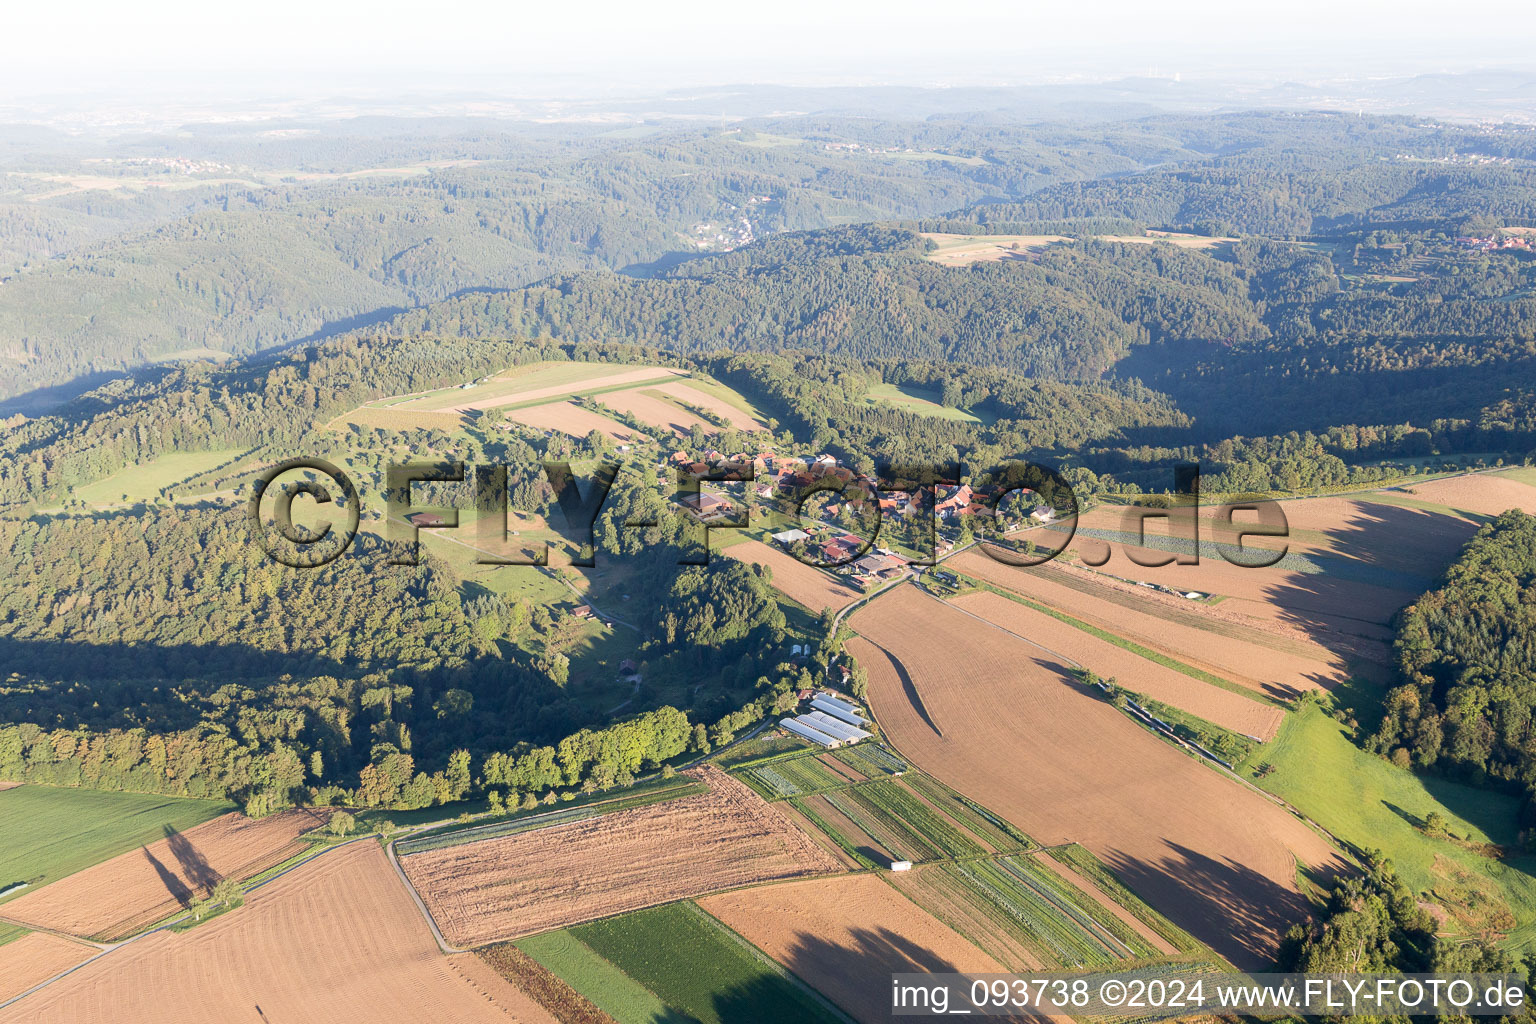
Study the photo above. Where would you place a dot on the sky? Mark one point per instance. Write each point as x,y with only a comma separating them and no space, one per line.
517,47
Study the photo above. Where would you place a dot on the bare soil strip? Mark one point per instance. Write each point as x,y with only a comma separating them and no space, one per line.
559,876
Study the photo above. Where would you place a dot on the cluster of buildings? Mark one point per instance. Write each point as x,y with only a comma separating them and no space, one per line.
1495,243
831,722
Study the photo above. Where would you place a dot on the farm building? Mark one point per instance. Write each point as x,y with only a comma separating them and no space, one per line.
901,865
806,732
788,537
832,727
839,709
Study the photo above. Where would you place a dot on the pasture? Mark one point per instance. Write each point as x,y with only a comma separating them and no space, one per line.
963,250
590,976
333,940
145,481
1364,799
534,385
698,968
48,833
924,403
1216,858
556,877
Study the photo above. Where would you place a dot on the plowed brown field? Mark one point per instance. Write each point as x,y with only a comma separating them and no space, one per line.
1485,493
719,409
794,579
845,936
566,874
337,941
572,419
1004,724
34,958
649,409
1223,707
1275,661
139,888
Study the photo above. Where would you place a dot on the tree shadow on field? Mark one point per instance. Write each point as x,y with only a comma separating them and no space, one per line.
193,864
1230,907
194,868
908,687
863,965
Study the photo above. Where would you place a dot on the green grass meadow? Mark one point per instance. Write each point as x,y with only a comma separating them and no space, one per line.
699,969
1368,802
144,482
48,833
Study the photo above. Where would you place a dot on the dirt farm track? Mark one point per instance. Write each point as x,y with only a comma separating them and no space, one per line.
1005,723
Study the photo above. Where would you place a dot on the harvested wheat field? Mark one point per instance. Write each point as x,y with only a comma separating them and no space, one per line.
845,936
1006,725
801,583
570,418
645,406
337,941
1266,657
34,958
1223,707
1484,493
565,379
721,410
8,785
566,874
136,889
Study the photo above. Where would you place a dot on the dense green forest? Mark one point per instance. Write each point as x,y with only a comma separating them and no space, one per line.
1466,654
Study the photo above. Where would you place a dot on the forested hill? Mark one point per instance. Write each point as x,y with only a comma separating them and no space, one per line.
265,242
869,292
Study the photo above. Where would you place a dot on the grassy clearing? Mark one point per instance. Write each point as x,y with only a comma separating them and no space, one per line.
608,988
1368,802
48,833
145,481
921,402
698,967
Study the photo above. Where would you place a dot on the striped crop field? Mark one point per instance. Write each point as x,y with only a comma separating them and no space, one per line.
872,760
793,776
1060,924
894,802
1002,836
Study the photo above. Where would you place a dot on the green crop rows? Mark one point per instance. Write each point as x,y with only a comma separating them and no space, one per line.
871,760
793,777
1002,836
892,800
1086,864
1019,893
